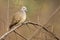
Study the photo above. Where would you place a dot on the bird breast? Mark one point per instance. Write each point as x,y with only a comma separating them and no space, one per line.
20,16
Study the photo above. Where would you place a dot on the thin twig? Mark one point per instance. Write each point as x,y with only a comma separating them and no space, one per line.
34,34
54,12
19,35
45,30
36,30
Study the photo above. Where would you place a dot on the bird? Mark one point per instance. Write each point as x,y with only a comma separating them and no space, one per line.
19,17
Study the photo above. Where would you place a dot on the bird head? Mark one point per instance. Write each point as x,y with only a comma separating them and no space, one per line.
24,9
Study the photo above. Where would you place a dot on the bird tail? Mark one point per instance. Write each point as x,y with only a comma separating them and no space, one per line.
11,26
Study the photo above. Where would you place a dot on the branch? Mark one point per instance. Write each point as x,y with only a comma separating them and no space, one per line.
28,23
4,35
45,30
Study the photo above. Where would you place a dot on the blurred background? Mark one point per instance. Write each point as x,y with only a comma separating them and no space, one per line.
41,10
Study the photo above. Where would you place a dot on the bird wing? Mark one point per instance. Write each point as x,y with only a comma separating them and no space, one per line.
15,20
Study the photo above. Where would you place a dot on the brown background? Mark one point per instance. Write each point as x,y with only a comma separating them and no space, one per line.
41,8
